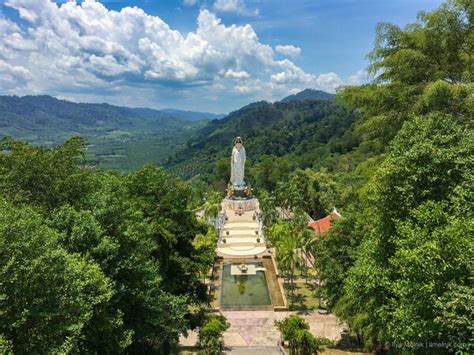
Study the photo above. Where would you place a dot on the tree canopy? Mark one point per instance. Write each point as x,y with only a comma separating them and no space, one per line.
94,261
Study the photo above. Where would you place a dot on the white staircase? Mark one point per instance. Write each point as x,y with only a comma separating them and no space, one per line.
241,235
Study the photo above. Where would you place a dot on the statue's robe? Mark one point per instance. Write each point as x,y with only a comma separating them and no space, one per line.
237,167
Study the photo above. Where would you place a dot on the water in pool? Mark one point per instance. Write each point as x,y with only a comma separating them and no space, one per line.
244,291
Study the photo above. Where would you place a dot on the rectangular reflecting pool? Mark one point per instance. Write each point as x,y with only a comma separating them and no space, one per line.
242,292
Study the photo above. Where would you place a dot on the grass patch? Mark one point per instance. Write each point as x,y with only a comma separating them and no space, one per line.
302,297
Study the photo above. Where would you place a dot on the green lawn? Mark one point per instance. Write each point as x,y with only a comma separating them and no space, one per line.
304,296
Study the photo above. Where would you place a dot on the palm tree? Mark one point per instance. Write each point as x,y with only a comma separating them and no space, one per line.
212,207
269,213
278,231
309,243
289,257
304,235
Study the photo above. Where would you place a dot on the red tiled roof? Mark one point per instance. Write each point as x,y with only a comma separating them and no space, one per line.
324,224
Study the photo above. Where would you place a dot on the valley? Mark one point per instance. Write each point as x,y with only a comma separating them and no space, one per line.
118,138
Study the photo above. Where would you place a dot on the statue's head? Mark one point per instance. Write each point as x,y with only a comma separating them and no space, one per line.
238,142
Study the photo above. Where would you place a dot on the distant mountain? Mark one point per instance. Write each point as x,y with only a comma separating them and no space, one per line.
120,137
309,94
191,115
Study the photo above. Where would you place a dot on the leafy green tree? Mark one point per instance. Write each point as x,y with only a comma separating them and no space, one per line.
289,328
279,231
222,170
127,243
317,189
42,176
270,170
289,195
308,344
417,252
336,251
165,204
304,236
211,334
205,245
212,207
52,301
5,345
267,201
426,66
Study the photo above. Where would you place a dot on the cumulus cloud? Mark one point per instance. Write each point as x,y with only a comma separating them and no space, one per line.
86,50
294,76
236,6
328,81
236,74
288,50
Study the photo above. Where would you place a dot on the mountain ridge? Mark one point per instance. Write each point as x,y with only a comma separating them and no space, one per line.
307,131
39,101
120,138
309,94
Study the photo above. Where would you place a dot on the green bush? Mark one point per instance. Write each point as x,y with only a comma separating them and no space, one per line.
211,334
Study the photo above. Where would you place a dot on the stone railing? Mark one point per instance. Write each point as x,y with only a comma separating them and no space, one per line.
261,226
220,221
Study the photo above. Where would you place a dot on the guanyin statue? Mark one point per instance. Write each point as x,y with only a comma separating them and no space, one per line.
237,165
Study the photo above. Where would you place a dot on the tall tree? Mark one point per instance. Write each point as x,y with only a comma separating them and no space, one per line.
426,66
417,252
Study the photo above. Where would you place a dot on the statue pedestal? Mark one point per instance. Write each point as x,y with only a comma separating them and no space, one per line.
236,203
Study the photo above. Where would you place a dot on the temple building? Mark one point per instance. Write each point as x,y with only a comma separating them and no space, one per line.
324,224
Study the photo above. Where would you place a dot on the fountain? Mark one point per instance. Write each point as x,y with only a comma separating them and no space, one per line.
244,286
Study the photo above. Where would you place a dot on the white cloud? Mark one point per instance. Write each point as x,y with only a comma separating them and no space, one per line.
245,89
87,51
13,75
291,73
295,76
236,6
288,50
236,74
328,81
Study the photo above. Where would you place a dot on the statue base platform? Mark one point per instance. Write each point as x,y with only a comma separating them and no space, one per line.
243,203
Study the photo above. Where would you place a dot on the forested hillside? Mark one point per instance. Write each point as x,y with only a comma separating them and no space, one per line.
307,133
120,138
309,94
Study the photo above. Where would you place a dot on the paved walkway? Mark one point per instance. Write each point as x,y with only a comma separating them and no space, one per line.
253,350
257,328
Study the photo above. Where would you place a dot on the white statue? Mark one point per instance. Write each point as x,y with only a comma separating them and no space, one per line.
237,165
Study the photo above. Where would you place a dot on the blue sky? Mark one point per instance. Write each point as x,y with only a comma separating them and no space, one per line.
209,55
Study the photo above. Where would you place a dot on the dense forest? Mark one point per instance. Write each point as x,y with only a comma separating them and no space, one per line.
398,269
98,261
91,261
